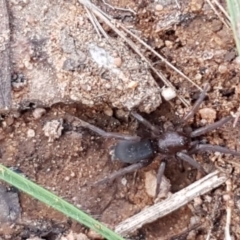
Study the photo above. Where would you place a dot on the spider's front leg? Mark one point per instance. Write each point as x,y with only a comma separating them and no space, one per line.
132,168
100,131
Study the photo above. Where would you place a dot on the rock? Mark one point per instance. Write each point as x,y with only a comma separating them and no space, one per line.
53,129
108,111
151,182
168,93
9,206
93,235
63,63
30,133
75,236
38,112
208,114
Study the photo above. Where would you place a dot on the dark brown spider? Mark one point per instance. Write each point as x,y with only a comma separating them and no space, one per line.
175,143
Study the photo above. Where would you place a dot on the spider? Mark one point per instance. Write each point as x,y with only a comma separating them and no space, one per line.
169,144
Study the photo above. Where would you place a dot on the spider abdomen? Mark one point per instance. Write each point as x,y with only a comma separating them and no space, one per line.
133,151
170,143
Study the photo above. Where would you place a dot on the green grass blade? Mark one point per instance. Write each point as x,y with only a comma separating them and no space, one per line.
234,11
55,202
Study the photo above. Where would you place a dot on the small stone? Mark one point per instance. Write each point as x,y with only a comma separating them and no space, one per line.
53,129
9,121
198,77
194,220
168,44
168,93
67,178
108,111
132,84
196,5
117,62
121,114
38,112
124,181
30,133
222,68
75,236
151,184
208,114
159,7
237,60
197,201
93,235
9,206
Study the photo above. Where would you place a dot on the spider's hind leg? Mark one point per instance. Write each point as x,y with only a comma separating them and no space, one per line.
185,157
215,148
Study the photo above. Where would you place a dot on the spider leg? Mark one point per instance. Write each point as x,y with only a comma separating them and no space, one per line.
145,122
214,148
185,157
100,131
196,104
210,127
159,176
124,171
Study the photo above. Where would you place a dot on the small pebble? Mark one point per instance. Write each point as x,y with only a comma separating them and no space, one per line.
67,178
132,84
121,114
93,235
222,68
117,62
208,114
9,206
38,113
53,129
151,183
168,44
30,133
159,7
124,181
198,77
168,93
197,201
108,111
194,220
10,121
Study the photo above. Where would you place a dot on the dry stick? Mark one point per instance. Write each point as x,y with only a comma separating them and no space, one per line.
158,55
5,74
172,203
226,23
222,9
104,17
228,209
213,215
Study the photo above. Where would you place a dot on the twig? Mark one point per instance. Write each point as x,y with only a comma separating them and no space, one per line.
226,23
213,215
236,116
222,9
228,209
112,23
118,8
5,74
172,203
